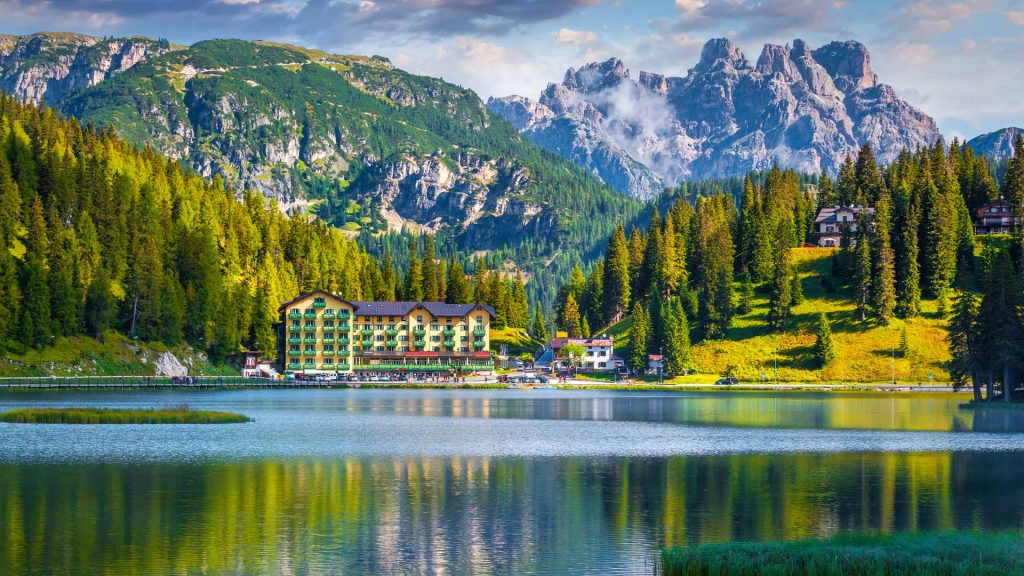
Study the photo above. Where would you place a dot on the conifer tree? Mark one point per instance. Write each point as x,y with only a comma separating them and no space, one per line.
539,330
99,305
908,276
883,273
639,332
965,346
824,348
519,306
570,317
1013,180
677,341
413,288
616,277
10,295
780,287
714,255
746,303
862,270
431,285
458,290
904,343
796,291
35,308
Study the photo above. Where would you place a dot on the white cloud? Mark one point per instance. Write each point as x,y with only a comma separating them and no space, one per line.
1016,16
691,6
576,37
239,1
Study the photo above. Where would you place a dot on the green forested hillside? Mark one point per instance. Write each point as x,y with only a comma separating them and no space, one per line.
367,147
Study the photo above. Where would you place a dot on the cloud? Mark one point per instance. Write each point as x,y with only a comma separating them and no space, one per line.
927,18
1016,16
751,18
576,37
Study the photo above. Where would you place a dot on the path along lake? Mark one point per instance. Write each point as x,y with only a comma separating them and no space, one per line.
454,482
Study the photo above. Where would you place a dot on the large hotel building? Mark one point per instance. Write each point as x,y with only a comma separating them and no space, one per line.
321,333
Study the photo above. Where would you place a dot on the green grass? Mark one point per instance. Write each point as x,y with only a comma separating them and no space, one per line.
517,340
941,554
177,415
863,348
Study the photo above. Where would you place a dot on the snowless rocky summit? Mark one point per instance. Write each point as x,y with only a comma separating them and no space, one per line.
800,108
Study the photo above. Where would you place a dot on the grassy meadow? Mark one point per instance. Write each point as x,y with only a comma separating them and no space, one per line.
863,348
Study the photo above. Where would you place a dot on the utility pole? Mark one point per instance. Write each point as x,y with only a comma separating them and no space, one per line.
894,365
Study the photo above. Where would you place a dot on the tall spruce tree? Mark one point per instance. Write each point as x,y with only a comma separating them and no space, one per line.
883,273
780,295
862,279
639,333
677,338
616,277
458,289
824,347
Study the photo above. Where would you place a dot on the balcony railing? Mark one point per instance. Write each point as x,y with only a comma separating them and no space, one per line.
294,366
343,327
422,367
391,332
419,332
309,315
449,332
294,315
295,340
479,343
344,315
479,332
327,353
327,341
391,343
319,304
328,316
343,341
420,343
449,343
309,340
367,332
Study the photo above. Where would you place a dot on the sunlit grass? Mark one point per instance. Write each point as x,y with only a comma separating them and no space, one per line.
176,415
943,554
864,348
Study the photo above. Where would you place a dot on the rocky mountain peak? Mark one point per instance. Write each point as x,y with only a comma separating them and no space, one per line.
998,145
596,76
721,50
849,65
797,107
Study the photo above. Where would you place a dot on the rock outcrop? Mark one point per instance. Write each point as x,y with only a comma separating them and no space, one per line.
800,108
997,145
45,67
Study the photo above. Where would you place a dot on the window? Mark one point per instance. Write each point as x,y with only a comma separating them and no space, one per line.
464,339
435,339
479,319
379,337
380,326
419,319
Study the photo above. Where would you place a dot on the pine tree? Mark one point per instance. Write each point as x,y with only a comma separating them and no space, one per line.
862,271
539,330
714,263
519,306
413,287
570,318
904,343
824,348
10,296
908,276
99,304
677,342
1013,180
780,295
965,347
746,303
883,289
458,289
431,285
639,333
616,277
35,310
796,291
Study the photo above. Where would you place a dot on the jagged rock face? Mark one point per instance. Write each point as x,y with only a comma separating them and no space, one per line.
43,68
801,108
997,145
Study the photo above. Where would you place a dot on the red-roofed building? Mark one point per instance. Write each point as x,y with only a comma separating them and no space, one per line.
831,222
999,217
598,353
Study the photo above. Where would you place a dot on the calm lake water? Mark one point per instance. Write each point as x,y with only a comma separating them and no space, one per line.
331,482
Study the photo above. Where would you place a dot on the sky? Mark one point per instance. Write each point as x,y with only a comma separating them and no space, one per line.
959,61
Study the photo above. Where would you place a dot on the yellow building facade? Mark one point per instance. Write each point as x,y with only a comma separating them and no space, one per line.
322,333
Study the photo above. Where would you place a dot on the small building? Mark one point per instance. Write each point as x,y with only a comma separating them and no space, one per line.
832,222
250,363
999,217
598,353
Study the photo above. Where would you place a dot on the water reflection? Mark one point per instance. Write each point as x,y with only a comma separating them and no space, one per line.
475,515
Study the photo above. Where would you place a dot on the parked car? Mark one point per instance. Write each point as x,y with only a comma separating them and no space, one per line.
727,381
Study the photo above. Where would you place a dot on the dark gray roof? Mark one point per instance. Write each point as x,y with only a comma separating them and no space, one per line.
383,308
445,309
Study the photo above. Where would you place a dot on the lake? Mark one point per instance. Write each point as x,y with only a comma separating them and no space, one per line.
329,482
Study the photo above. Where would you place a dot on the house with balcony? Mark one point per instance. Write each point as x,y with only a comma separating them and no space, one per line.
598,354
322,333
999,217
832,222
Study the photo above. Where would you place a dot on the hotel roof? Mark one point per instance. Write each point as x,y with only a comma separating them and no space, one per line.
377,308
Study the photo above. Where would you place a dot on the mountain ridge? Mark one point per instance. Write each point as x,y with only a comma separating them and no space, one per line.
801,108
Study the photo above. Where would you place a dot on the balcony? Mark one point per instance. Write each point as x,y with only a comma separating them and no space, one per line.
309,340
391,332
367,344
479,332
367,332
419,332
420,343
449,343
391,343
319,304
294,315
449,332
328,316
344,315
295,340
327,341
327,353
343,327
309,315
479,344
343,341
294,366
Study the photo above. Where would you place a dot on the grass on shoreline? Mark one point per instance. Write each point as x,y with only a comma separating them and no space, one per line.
928,554
177,415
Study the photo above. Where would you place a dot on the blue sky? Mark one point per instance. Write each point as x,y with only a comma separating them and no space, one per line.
959,61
